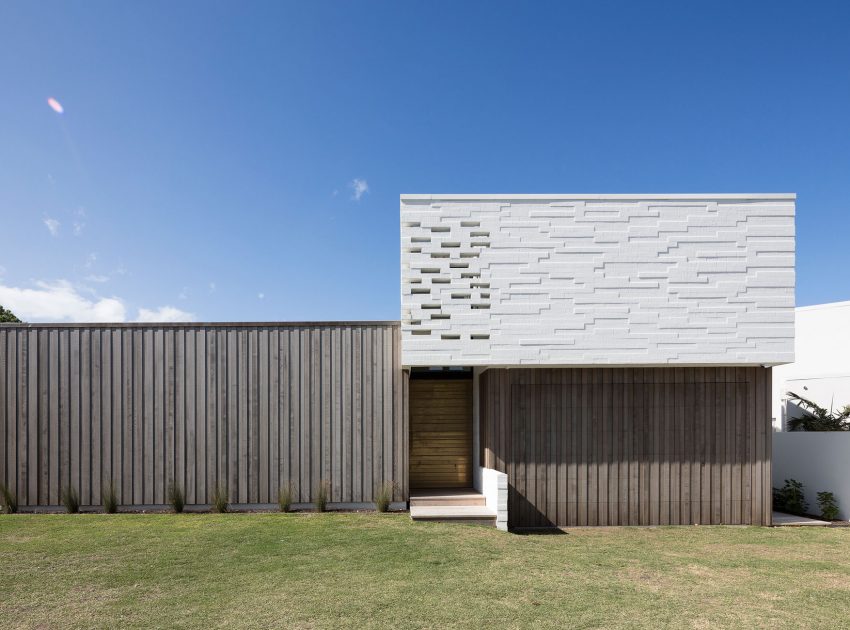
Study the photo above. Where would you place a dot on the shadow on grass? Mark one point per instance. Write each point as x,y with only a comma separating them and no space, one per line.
538,531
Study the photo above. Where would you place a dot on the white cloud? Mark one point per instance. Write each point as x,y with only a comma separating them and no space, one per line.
100,279
164,314
78,227
52,226
360,187
60,301
212,287
261,295
91,259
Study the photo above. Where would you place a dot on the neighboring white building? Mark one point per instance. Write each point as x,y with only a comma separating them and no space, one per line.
591,280
821,367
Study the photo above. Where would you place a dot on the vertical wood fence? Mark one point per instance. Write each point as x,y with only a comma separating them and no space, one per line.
247,406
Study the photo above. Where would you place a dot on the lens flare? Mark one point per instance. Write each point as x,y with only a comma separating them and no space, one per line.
55,105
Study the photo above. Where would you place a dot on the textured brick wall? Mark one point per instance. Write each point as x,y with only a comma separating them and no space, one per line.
597,280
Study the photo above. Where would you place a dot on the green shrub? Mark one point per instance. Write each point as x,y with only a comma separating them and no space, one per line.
10,501
71,499
323,492
828,506
384,495
220,499
817,418
285,495
790,498
109,498
176,498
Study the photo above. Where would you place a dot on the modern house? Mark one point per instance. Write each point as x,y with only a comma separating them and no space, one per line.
560,360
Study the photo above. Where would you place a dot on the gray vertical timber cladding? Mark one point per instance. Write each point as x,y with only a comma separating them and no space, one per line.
630,446
247,406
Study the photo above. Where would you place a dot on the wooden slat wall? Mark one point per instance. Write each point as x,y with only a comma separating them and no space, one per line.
630,446
248,406
440,433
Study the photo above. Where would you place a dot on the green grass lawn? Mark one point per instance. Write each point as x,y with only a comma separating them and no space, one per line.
373,570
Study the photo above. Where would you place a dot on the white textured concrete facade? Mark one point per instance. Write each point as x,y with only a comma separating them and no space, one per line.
618,280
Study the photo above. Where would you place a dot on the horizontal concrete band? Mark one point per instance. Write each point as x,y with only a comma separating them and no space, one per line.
597,196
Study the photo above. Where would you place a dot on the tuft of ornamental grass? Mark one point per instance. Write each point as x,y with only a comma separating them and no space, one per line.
220,499
109,498
384,495
10,501
176,498
71,499
323,493
285,495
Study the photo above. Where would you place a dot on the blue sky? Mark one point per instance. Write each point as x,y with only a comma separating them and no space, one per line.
243,161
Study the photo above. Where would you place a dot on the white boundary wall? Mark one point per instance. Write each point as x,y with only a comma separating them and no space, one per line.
820,460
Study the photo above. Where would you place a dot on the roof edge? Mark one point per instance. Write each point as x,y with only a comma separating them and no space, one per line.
282,324
598,196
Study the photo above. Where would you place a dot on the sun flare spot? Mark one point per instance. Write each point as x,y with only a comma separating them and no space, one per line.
55,105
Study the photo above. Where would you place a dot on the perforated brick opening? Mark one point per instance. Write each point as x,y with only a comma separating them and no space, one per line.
420,290
450,337
420,331
479,336
470,223
461,296
459,265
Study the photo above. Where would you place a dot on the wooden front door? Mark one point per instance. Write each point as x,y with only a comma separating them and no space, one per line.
440,433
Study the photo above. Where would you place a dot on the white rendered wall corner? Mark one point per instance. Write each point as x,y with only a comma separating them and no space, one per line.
821,367
597,279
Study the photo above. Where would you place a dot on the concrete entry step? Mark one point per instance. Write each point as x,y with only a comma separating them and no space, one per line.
446,497
455,505
470,514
